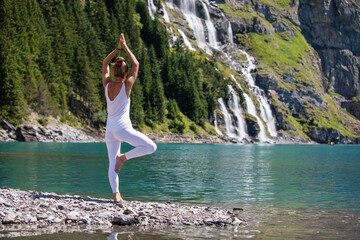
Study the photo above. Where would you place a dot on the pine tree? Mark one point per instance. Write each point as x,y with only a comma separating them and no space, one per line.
11,99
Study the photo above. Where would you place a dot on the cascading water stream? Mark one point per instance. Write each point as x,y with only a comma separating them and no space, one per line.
251,109
216,125
210,27
186,40
237,112
229,128
188,8
265,110
152,8
230,33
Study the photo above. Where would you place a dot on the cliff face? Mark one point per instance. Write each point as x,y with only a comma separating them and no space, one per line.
307,60
333,29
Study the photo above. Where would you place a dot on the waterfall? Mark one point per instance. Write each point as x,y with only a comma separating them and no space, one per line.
230,33
265,110
152,8
237,112
188,8
216,125
210,27
251,109
229,128
266,114
186,40
166,15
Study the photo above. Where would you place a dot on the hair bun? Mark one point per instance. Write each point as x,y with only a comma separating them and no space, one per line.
119,60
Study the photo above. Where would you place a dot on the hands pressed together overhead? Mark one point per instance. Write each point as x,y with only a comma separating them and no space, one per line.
122,42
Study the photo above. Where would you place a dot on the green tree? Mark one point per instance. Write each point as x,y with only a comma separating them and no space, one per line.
11,99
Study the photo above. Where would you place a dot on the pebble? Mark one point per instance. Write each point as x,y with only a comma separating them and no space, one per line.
41,209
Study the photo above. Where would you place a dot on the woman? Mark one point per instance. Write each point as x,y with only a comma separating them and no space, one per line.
118,126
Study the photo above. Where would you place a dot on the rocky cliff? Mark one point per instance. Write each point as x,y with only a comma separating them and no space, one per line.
306,55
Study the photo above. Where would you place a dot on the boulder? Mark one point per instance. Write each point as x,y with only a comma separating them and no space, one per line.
26,133
252,125
7,126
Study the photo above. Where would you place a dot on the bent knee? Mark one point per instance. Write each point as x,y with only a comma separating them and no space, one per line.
152,147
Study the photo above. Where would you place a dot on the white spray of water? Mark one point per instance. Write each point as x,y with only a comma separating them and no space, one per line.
210,27
229,127
152,8
230,33
216,125
186,40
252,111
265,110
237,112
188,8
166,15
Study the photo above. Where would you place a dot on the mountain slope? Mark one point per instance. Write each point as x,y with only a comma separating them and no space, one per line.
301,82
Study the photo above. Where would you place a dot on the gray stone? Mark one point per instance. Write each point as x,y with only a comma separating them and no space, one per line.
122,219
42,216
26,133
236,222
72,216
129,211
60,207
7,126
30,219
105,214
10,218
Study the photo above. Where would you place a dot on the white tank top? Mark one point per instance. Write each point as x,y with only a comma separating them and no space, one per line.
118,110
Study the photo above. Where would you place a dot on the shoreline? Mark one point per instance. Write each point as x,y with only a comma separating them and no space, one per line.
30,210
59,132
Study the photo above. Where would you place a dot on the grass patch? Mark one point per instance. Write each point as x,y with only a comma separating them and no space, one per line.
282,55
333,118
43,121
70,119
358,96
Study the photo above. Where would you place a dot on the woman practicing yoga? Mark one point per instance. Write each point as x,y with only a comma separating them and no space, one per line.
118,126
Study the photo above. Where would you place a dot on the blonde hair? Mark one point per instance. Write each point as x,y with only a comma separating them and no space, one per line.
120,68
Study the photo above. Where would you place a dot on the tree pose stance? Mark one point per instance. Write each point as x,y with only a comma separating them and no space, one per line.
118,125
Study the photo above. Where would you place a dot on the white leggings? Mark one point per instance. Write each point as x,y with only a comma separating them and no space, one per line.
143,146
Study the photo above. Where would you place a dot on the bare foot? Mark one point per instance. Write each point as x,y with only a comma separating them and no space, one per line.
117,197
120,160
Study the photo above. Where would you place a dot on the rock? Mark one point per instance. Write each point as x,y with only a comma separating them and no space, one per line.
10,218
122,219
236,222
333,29
105,214
26,133
60,207
238,209
353,107
252,125
129,211
42,216
30,219
72,216
7,126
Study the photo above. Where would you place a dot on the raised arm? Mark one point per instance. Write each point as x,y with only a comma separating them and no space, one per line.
134,62
105,65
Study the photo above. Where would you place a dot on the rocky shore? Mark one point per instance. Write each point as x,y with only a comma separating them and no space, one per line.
55,131
29,210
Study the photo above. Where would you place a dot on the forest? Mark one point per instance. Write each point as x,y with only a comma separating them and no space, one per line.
51,54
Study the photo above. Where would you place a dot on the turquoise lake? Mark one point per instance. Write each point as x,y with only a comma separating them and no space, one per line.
264,179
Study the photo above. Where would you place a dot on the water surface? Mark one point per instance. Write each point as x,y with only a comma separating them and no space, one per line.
303,187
